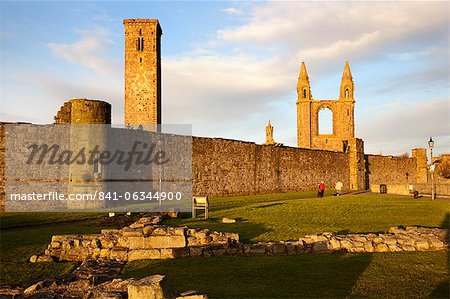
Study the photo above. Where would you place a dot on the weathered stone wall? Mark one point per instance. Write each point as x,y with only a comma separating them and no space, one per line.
229,167
26,178
440,189
395,172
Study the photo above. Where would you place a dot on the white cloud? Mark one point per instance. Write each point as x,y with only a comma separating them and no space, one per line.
232,10
225,89
234,94
395,128
90,51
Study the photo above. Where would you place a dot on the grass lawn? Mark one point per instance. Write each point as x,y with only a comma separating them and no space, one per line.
16,247
10,220
399,275
291,215
267,217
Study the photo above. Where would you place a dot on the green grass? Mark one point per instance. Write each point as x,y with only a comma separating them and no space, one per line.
10,220
265,217
400,275
17,246
290,215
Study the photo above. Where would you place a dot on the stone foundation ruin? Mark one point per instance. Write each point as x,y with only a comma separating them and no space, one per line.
147,239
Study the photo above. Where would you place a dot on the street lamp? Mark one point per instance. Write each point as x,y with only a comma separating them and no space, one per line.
431,145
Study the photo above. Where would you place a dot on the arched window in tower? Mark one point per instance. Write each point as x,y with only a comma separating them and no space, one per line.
325,120
346,93
304,93
140,44
140,31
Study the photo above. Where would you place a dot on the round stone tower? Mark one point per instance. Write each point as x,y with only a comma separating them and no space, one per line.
84,111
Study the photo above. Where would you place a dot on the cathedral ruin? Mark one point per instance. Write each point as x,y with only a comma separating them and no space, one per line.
223,167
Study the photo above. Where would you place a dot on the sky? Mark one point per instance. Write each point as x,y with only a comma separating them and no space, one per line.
229,67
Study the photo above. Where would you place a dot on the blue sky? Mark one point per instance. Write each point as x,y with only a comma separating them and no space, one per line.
229,67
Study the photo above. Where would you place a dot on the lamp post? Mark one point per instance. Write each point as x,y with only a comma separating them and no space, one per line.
431,145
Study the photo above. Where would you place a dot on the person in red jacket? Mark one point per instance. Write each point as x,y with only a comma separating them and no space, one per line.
321,189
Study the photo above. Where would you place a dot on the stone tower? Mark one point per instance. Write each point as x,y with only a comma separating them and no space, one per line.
308,114
304,109
269,134
142,72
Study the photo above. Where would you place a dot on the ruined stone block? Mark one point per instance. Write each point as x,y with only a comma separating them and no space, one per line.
335,244
136,242
408,248
131,232
436,243
149,287
167,253
368,247
232,250
320,246
181,252
164,241
219,252
119,254
143,254
422,245
380,247
390,241
257,249
55,244
195,251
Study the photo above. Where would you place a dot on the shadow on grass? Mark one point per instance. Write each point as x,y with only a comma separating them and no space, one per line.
269,205
443,290
318,275
16,247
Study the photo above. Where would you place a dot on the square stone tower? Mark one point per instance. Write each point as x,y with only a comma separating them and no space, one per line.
142,72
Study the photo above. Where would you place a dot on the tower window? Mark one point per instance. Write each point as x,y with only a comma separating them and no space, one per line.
304,93
140,59
140,31
346,93
140,44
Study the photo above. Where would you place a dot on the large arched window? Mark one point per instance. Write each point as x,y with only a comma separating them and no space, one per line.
325,121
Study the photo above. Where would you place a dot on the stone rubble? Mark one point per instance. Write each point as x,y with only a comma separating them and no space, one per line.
147,239
99,279
143,239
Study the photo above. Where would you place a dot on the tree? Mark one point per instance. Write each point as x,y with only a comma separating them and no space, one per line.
444,169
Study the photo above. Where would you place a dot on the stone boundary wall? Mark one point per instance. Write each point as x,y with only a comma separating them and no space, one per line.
229,167
144,240
441,189
397,173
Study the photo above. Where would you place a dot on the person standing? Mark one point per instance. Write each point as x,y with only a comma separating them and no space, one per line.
338,188
321,189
